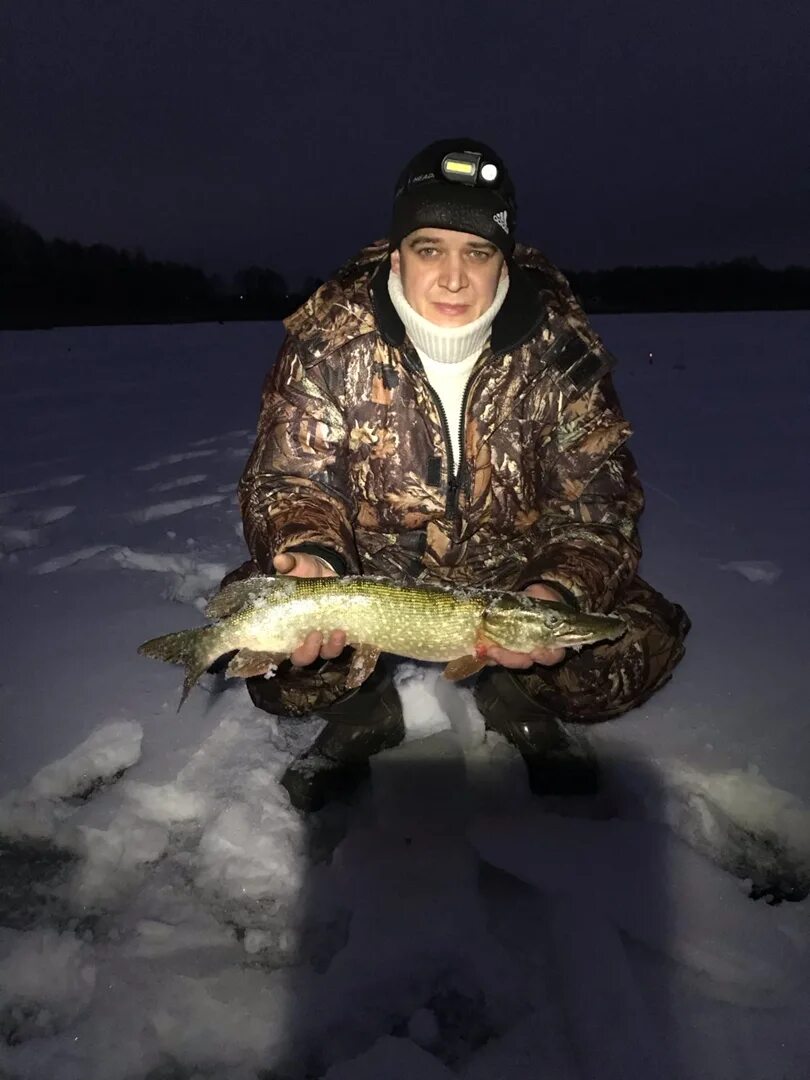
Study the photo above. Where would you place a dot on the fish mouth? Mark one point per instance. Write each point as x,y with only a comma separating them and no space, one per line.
578,643
609,630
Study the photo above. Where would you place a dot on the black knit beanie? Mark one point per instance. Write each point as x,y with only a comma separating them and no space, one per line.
457,184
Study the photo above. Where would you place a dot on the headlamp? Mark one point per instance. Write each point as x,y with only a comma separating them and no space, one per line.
466,167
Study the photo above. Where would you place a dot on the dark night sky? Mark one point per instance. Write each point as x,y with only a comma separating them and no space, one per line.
227,132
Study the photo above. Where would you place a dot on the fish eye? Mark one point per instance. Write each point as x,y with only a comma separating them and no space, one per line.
552,619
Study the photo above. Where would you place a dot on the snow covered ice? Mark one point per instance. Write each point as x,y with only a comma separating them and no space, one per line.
165,913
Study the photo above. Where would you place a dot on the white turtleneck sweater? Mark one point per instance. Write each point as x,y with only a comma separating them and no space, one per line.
448,353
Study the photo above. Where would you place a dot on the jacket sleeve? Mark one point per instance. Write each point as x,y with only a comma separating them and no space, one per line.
294,493
587,538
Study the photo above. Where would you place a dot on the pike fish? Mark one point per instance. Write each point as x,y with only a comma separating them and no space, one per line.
261,620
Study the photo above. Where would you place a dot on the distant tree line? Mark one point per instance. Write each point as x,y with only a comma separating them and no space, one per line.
743,284
58,282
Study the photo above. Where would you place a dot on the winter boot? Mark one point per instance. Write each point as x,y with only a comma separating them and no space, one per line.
558,763
362,723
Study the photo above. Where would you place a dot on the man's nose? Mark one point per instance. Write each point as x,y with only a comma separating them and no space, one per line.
454,276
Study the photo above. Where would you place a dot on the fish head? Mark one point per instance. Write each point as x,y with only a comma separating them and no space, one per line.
522,623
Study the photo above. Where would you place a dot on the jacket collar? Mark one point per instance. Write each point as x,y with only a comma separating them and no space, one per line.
522,312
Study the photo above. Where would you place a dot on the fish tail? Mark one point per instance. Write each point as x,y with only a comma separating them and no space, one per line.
196,650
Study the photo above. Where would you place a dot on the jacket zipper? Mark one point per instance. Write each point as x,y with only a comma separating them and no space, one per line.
460,478
452,487
454,482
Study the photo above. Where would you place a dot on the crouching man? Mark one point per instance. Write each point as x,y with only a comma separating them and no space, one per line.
442,412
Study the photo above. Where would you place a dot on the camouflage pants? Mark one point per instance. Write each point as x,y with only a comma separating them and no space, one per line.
598,683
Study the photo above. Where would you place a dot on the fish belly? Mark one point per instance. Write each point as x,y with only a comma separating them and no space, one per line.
436,628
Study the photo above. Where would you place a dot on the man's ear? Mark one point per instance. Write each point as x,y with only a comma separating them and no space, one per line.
504,270
395,261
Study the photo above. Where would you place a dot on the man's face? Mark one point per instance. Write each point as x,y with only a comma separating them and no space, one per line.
450,278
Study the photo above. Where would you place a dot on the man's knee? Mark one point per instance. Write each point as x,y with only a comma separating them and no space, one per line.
321,688
607,680
294,691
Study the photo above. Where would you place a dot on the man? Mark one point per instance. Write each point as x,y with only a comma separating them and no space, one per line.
441,411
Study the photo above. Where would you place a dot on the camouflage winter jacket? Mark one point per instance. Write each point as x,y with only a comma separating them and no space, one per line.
353,456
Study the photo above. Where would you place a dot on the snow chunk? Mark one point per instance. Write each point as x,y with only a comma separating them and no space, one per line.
47,980
394,1059
237,433
422,711
113,859
166,804
172,459
465,719
232,1023
181,481
51,514
36,810
17,539
24,817
171,509
256,849
423,1028
104,755
615,1033
653,887
761,572
194,580
496,776
737,818
156,938
61,562
47,485
411,782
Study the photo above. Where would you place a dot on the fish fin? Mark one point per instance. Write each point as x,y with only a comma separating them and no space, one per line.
173,648
195,649
463,667
249,662
363,662
240,593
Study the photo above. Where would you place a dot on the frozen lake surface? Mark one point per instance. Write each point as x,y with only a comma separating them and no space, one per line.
164,913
